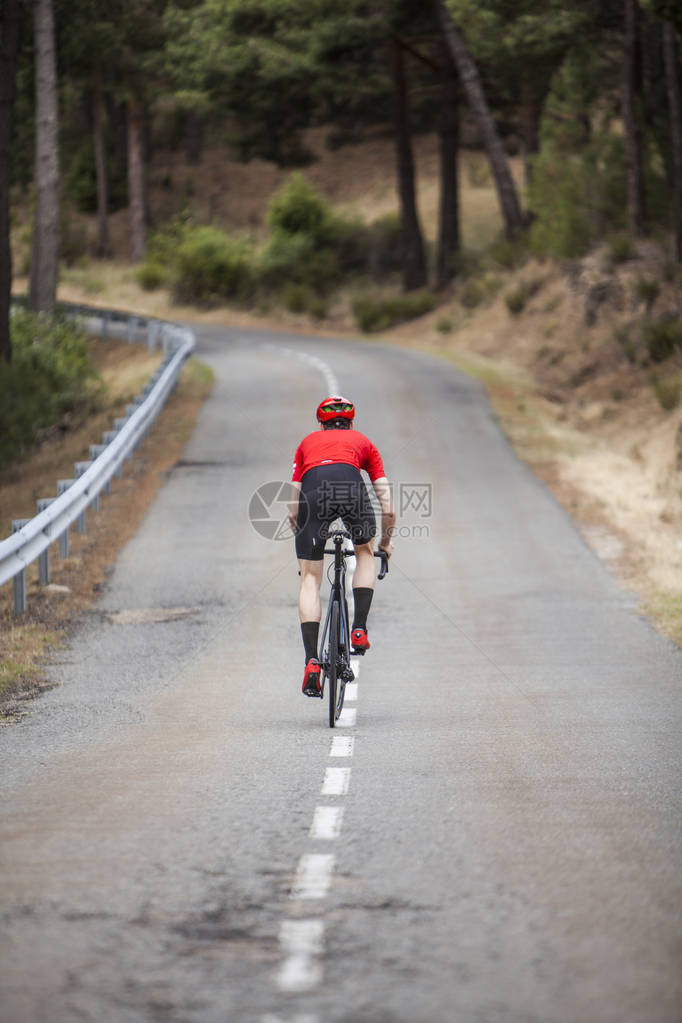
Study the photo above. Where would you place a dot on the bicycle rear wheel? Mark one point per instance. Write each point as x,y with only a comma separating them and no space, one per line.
332,676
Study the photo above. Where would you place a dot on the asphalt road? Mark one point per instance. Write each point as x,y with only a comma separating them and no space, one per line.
494,833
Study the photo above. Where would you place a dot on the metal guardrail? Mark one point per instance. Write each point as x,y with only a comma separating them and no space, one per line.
32,538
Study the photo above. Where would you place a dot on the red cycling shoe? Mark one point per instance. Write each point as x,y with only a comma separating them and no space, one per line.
359,641
311,679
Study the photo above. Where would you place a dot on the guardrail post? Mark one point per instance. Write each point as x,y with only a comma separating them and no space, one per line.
79,469
118,425
62,486
44,559
19,580
107,438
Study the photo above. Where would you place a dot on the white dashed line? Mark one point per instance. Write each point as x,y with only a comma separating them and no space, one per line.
301,942
347,717
342,746
327,822
336,781
313,876
322,367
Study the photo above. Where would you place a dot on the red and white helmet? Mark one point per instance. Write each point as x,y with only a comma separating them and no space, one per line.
335,407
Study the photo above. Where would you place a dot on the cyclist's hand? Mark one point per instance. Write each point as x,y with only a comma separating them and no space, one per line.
387,548
292,522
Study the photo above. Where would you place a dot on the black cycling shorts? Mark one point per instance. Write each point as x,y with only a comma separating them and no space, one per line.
329,492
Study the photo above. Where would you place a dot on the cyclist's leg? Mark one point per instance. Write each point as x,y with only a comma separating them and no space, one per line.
365,569
310,552
309,608
364,579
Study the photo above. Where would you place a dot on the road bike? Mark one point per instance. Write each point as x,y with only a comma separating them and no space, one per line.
334,649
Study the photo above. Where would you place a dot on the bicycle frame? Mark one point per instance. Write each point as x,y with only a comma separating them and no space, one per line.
334,646
337,593
334,651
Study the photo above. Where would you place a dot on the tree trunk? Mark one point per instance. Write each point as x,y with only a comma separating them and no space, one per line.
136,203
471,83
633,135
45,253
672,74
103,248
414,262
8,68
448,231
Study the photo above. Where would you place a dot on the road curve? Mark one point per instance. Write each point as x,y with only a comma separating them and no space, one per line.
493,835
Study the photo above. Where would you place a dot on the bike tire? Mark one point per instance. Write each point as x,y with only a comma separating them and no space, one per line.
332,678
344,663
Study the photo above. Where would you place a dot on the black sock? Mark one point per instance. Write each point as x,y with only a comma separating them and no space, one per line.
310,632
362,597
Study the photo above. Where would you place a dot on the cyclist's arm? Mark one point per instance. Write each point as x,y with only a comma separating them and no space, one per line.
382,488
293,506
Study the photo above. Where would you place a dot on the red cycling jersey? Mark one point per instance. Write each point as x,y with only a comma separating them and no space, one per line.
326,447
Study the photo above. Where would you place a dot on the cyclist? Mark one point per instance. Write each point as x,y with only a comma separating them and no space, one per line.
327,475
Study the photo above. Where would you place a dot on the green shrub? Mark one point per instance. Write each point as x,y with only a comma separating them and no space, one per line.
507,254
49,380
349,242
668,391
662,338
576,196
516,299
374,313
620,248
470,293
299,298
647,290
317,306
444,325
294,258
210,265
308,243
623,338
150,275
295,297
558,197
297,210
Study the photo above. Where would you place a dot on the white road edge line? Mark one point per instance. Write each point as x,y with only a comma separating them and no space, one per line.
327,822
301,942
336,781
313,876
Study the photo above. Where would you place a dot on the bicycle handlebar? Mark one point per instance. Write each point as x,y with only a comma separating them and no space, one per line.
338,537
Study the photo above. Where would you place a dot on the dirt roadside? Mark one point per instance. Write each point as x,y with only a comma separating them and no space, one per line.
581,399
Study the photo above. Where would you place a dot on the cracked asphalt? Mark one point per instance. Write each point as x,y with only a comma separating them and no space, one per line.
511,845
